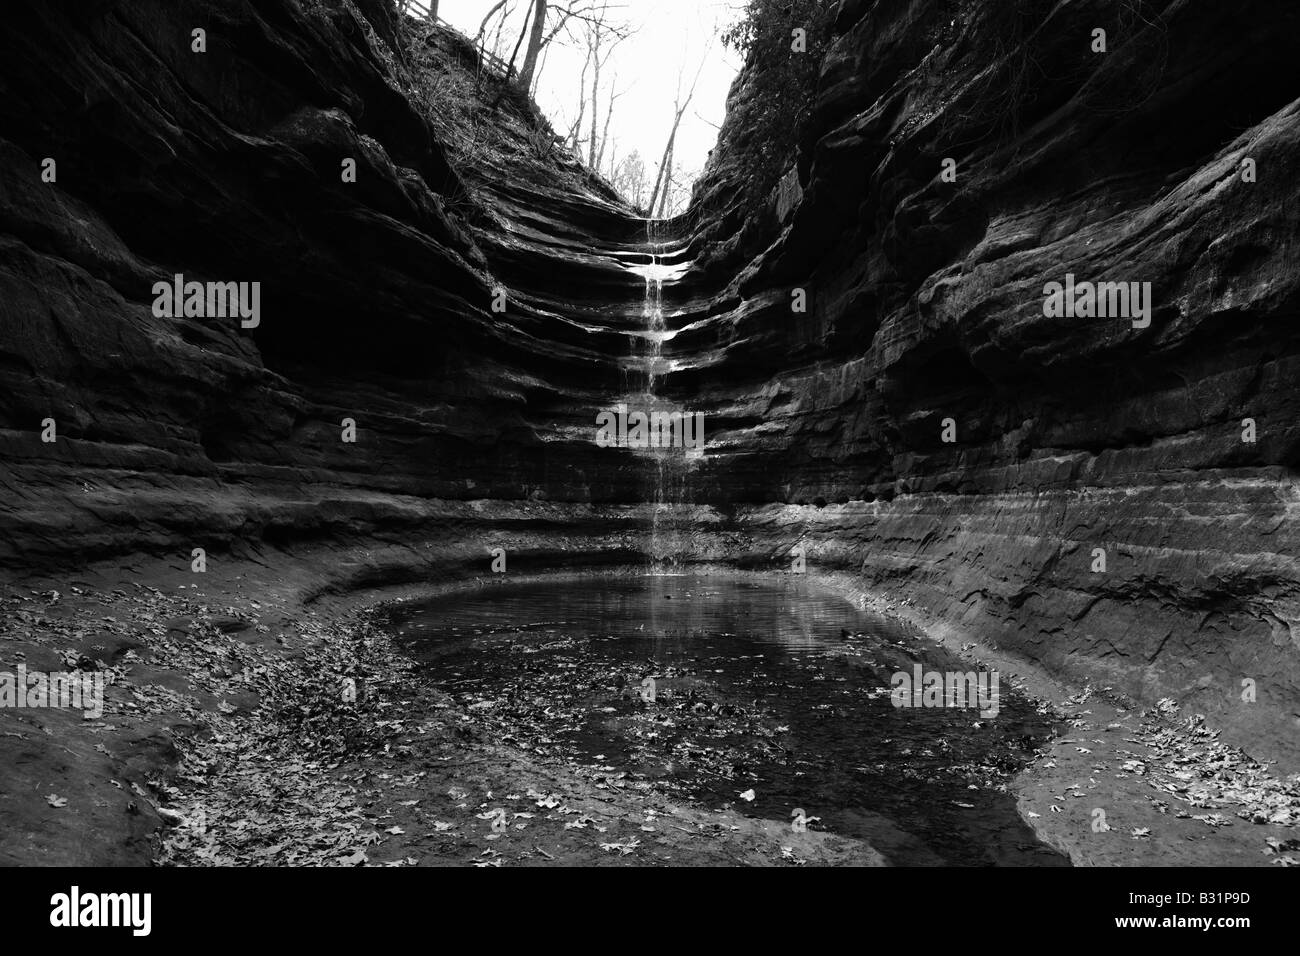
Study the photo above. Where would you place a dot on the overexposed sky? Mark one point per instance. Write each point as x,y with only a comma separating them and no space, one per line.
671,36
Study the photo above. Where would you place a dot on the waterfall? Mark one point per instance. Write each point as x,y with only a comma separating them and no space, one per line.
666,491
661,548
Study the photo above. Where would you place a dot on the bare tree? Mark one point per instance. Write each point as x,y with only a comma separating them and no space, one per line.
576,130
666,176
544,22
675,196
497,46
597,34
537,73
593,51
679,109
565,15
613,158
629,178
535,35
482,27
614,94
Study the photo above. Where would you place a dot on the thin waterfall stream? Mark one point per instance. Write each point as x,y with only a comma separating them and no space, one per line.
670,460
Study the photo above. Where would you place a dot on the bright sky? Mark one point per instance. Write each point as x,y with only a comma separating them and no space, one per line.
671,35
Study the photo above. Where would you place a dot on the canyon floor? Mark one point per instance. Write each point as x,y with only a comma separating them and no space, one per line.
224,740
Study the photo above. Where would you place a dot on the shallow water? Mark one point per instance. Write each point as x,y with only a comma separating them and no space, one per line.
756,688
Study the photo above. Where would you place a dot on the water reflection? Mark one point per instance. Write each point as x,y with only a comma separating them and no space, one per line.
768,684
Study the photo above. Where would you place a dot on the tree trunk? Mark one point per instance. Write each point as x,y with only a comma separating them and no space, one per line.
667,172
604,133
433,10
514,53
595,103
534,44
537,73
576,133
661,179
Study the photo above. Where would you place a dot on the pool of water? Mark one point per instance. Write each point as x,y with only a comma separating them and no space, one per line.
769,684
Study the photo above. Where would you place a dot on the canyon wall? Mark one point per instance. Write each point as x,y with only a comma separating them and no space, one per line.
376,296
825,427
1068,434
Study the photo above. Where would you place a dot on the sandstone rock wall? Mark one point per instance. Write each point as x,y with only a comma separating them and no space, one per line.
376,296
926,303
